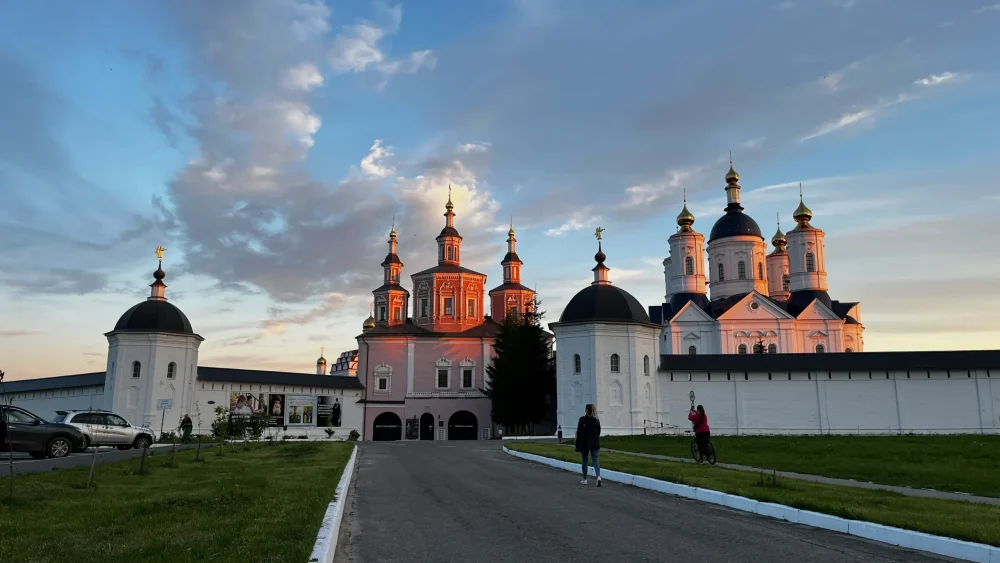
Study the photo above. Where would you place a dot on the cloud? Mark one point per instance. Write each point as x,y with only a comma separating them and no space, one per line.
935,79
357,49
576,222
21,332
986,9
375,163
305,76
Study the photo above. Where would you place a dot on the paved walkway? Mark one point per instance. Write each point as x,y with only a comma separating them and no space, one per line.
438,502
908,491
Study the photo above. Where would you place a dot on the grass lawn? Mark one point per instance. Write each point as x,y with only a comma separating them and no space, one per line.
261,505
962,520
968,464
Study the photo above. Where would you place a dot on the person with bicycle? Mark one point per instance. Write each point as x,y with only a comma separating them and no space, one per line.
701,430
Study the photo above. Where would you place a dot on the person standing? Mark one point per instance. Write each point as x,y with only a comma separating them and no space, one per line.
701,430
186,427
588,441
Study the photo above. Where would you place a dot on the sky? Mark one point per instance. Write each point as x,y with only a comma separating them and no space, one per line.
270,144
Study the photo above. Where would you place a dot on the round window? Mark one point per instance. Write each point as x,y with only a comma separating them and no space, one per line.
754,305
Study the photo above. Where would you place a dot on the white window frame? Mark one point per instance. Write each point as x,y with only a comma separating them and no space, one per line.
645,366
171,370
577,364
741,270
616,359
470,365
383,372
474,308
449,306
136,369
722,272
810,262
692,350
424,307
442,365
688,266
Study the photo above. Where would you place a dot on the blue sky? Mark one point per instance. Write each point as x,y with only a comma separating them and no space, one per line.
268,144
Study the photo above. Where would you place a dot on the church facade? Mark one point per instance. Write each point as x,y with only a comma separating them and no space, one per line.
750,301
425,371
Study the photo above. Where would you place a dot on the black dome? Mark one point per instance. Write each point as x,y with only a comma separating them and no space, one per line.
155,315
734,223
799,300
679,300
603,303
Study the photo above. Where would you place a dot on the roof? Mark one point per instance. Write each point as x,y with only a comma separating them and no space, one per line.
207,373
447,269
734,223
603,302
154,315
391,258
796,303
956,360
390,286
449,232
487,329
58,382
516,286
510,257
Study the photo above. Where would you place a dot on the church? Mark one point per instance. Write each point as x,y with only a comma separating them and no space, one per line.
751,301
428,368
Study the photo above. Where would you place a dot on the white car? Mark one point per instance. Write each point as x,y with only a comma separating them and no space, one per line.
104,428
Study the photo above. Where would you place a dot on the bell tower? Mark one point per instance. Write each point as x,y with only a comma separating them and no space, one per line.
391,299
511,298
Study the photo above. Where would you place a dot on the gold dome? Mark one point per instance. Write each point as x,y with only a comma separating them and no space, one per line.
685,219
779,238
802,213
732,175
369,323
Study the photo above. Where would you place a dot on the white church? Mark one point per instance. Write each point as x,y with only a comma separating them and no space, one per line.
766,352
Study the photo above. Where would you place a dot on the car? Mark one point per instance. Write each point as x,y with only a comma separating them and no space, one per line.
27,432
105,428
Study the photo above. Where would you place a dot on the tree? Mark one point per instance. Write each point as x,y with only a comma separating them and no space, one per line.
522,373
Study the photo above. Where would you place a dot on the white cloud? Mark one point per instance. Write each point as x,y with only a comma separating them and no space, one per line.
843,121
357,48
303,77
936,79
988,8
376,164
578,221
474,147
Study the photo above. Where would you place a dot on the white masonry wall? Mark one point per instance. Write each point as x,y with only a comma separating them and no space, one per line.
935,402
46,403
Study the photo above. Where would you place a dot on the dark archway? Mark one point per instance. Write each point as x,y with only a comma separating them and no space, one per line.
427,426
387,427
463,426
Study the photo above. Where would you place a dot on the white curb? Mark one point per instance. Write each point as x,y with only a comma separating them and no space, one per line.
969,551
326,541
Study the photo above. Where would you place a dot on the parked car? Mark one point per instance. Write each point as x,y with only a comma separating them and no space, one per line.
105,428
39,438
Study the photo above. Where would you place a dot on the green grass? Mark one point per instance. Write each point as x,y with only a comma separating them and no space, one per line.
265,505
968,464
956,519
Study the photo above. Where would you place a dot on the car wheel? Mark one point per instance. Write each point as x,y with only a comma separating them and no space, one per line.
142,442
86,443
59,447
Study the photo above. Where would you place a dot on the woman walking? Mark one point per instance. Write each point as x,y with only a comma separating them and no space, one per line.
701,430
588,440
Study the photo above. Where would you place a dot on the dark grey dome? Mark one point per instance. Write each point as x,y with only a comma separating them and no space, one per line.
679,300
603,302
799,300
734,223
155,315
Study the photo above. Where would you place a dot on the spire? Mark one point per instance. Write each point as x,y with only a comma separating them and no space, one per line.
600,270
686,218
778,240
732,188
510,233
449,205
392,233
802,214
449,212
158,291
511,262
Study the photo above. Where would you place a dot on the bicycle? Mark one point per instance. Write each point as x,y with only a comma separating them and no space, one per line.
696,453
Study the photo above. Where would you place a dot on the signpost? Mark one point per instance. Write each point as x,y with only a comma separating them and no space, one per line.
164,405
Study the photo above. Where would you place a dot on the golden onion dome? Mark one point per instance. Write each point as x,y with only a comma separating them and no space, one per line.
779,238
802,213
685,219
369,323
732,175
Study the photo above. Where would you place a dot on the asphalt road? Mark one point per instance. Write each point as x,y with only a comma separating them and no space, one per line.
24,464
468,501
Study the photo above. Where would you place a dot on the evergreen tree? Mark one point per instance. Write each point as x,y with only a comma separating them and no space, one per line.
522,374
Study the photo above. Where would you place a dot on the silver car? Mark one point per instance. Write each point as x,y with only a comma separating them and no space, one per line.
104,428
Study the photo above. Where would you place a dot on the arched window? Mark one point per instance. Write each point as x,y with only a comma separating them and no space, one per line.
820,349
689,266
615,363
722,272
786,283
848,349
645,365
576,363
758,348
136,369
171,370
742,349
760,270
810,262
440,253
451,253
741,270
692,350
772,349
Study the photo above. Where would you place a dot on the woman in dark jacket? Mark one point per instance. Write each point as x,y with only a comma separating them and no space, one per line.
588,439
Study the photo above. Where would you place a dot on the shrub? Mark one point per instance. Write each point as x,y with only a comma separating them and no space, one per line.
353,436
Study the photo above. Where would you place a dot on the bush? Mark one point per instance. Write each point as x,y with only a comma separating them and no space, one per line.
167,436
330,432
353,436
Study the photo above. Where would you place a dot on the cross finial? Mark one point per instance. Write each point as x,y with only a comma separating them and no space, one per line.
159,253
598,232
685,196
800,190
730,159
322,350
779,219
